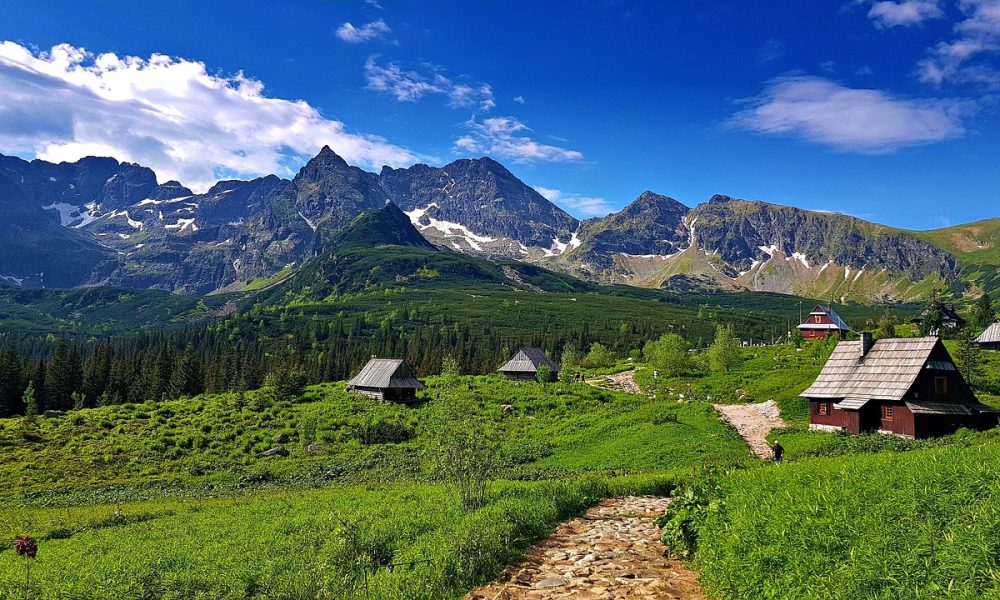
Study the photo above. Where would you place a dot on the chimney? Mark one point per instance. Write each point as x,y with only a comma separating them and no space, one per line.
866,343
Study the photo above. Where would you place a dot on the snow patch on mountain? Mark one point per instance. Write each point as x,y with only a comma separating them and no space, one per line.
12,279
182,224
799,257
67,212
447,228
308,222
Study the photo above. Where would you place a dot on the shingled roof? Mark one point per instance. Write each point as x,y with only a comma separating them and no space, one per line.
991,335
386,373
527,360
886,372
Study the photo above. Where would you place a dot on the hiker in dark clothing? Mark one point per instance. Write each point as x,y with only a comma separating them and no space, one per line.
778,451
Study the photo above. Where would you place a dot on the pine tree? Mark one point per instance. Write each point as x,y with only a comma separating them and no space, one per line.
11,380
969,358
983,314
31,408
59,377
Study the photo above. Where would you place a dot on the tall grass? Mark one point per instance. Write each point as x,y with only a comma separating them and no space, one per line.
917,524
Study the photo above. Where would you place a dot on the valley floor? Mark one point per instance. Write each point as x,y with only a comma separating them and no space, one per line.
173,500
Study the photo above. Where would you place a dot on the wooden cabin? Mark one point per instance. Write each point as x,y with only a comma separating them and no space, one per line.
902,386
524,365
950,319
990,339
386,380
822,323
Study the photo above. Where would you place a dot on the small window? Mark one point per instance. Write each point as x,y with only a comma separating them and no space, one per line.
941,386
818,319
887,412
824,408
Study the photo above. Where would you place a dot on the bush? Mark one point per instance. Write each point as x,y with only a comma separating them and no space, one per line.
381,430
599,357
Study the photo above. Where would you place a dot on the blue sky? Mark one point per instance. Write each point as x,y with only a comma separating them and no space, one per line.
882,109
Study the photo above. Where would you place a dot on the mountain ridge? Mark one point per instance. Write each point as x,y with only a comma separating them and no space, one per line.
137,232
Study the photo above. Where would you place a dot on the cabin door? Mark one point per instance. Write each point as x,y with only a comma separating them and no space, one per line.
870,418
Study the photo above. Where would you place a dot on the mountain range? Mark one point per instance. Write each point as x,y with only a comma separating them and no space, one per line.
101,222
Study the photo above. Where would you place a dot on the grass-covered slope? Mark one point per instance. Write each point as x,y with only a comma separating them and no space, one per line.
100,311
977,246
919,524
171,500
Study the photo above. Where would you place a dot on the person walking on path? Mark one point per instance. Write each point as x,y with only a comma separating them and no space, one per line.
777,451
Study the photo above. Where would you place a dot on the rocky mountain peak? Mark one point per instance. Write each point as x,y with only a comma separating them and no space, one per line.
169,190
652,201
326,158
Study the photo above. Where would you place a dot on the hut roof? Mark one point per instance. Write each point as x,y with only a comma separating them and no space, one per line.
837,324
386,373
527,360
947,313
886,372
991,335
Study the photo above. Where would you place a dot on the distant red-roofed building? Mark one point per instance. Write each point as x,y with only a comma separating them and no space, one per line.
822,323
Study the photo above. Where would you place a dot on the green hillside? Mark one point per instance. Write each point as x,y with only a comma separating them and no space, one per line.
977,247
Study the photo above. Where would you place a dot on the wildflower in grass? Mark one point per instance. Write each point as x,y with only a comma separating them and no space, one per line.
26,546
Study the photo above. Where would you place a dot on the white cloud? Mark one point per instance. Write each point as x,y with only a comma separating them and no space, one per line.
519,99
966,59
858,120
410,86
582,206
167,113
369,31
906,13
504,137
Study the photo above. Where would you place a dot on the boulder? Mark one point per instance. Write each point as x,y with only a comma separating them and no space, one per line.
53,414
276,451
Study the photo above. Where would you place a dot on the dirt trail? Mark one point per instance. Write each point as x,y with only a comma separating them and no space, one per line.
619,382
613,552
753,422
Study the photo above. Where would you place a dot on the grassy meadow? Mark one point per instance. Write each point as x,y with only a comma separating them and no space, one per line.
171,500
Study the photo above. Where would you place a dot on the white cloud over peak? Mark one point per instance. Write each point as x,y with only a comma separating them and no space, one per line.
581,206
410,86
969,57
905,13
506,137
856,120
166,113
367,32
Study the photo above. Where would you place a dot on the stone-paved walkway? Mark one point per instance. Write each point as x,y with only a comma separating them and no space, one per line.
613,552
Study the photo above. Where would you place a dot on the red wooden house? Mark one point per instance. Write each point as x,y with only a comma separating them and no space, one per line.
903,386
823,322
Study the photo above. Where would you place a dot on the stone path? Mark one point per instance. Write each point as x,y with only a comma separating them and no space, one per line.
613,552
753,422
619,382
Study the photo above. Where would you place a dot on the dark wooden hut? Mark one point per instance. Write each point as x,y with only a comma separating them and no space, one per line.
950,319
990,339
903,386
386,380
823,322
524,365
